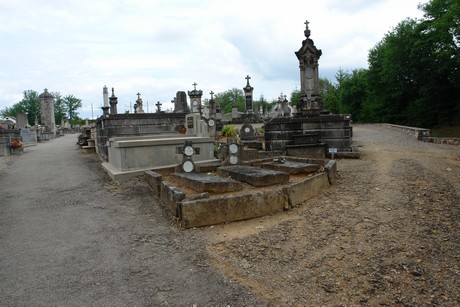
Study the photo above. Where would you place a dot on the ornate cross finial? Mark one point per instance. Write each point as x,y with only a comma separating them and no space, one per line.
247,78
113,94
212,93
194,86
307,31
138,95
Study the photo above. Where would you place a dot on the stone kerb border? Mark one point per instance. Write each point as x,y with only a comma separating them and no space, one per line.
203,210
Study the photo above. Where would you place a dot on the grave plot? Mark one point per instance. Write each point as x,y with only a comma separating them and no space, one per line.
232,193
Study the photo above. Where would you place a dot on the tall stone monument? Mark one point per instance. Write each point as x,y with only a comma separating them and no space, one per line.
308,55
195,99
47,111
248,90
105,94
313,131
113,103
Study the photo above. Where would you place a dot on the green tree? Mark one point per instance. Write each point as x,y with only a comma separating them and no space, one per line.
229,98
72,104
262,104
29,104
328,92
414,72
60,108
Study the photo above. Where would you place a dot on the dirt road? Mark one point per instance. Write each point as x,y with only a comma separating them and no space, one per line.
70,237
386,233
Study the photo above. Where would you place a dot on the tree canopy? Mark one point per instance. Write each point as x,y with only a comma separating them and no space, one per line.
414,72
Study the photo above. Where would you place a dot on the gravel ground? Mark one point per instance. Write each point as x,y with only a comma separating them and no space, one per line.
387,233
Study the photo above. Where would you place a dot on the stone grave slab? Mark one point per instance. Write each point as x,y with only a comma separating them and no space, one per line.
292,167
255,176
207,183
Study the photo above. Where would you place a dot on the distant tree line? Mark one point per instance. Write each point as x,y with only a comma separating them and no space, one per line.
65,107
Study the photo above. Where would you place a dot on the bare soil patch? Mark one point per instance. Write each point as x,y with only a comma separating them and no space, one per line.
387,233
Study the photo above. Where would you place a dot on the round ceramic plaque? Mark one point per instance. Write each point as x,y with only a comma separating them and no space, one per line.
187,166
188,151
233,160
211,122
233,148
247,129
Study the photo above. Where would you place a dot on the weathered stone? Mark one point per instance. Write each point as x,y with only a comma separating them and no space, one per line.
307,150
154,180
171,196
292,167
331,171
231,208
304,190
254,176
207,183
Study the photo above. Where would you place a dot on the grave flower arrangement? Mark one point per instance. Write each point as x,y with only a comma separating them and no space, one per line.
16,144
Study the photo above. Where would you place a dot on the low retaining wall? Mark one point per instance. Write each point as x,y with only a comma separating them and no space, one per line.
204,210
419,133
423,134
439,140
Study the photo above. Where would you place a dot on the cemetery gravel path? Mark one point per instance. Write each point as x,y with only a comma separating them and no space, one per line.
387,233
69,236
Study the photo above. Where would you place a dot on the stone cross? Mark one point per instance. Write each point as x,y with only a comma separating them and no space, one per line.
138,95
194,86
247,78
158,104
212,93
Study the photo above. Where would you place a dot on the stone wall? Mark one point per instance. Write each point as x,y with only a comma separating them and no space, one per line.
439,140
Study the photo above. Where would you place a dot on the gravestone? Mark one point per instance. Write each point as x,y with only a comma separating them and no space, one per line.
180,103
21,120
247,133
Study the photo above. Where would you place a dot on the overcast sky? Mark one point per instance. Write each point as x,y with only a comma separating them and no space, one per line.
160,47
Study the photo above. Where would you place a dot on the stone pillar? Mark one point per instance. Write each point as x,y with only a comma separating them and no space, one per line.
113,103
105,94
47,111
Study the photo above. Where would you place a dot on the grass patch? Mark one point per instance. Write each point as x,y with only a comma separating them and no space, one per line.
447,131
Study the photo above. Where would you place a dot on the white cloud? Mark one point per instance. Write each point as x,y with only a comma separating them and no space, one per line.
159,47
